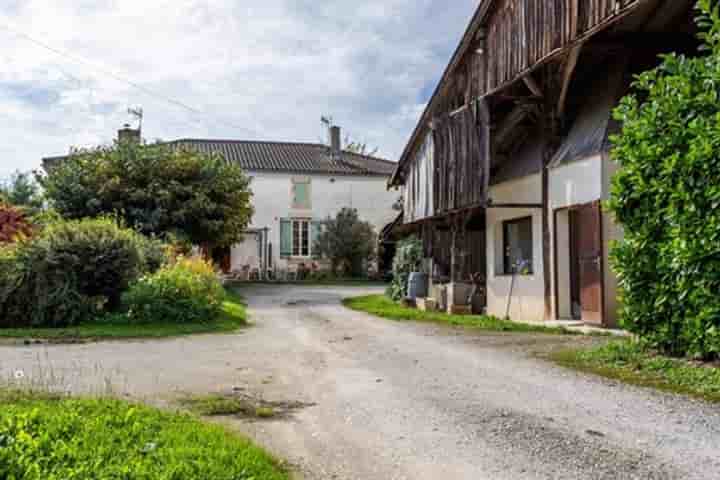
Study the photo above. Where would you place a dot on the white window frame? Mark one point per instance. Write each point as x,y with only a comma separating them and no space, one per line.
298,234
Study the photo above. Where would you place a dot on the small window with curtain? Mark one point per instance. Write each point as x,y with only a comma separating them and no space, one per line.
518,246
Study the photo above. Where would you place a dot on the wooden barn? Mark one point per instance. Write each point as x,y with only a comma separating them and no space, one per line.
505,173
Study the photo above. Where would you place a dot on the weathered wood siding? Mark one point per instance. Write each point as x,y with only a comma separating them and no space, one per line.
460,163
418,197
521,33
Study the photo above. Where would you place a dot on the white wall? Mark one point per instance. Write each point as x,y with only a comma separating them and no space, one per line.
272,199
576,183
528,298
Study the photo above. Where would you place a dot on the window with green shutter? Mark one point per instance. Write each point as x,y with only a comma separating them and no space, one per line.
285,237
315,231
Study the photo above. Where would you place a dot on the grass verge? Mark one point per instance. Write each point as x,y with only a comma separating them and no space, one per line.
382,306
52,437
233,317
628,362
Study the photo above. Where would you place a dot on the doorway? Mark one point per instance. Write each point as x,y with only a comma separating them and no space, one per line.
579,263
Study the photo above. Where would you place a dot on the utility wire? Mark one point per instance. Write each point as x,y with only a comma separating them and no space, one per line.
120,78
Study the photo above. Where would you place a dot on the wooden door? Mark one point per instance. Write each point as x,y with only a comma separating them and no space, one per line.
589,258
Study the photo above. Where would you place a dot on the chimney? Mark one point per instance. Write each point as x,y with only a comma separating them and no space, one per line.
335,140
127,134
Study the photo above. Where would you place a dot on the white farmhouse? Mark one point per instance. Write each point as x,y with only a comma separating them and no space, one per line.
295,187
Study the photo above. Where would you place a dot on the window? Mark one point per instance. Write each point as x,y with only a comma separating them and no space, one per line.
298,236
301,194
301,238
518,246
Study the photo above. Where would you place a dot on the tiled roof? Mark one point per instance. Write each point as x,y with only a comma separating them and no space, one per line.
285,157
291,157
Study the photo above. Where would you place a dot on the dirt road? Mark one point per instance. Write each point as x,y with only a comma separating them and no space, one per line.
402,401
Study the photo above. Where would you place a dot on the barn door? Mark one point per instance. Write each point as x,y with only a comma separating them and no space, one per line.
589,257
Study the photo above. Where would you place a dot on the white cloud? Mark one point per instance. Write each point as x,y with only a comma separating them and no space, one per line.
269,67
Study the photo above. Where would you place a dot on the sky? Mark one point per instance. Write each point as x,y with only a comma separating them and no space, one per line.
222,69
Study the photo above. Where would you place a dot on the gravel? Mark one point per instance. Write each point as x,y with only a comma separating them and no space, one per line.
386,400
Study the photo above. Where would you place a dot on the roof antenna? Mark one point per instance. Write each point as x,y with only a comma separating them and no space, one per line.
138,114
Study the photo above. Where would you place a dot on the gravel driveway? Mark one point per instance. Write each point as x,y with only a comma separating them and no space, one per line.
402,401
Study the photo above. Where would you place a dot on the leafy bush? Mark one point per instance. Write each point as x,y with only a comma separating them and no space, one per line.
14,224
348,243
50,439
71,272
188,291
408,258
156,189
667,197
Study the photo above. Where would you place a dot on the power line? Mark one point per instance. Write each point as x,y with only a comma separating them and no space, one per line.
120,78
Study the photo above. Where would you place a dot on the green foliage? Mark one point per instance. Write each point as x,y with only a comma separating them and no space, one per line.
408,258
23,192
348,243
157,189
667,197
48,439
632,362
188,291
117,326
70,272
382,306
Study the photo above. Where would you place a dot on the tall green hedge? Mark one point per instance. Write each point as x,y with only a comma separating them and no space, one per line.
667,197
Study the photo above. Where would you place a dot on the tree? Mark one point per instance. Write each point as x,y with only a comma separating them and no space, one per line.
24,192
157,189
666,196
347,242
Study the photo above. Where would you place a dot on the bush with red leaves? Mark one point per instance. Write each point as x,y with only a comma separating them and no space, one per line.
14,224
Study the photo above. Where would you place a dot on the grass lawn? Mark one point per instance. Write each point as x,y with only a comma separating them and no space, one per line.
626,361
232,318
382,306
42,437
350,282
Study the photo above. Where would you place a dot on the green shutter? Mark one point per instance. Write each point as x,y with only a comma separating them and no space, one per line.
301,195
315,231
285,237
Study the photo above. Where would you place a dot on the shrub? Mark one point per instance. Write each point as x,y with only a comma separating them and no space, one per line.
666,195
348,243
188,291
14,224
71,272
408,258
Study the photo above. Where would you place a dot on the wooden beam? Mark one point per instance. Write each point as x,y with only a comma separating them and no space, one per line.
568,71
532,85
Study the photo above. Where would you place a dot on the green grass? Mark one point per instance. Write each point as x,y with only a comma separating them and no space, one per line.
233,317
628,362
337,282
50,438
382,306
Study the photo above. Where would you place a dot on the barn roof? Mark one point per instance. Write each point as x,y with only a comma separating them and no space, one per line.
289,157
